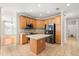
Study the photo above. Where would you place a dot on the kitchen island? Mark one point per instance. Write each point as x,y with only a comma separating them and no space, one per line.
37,42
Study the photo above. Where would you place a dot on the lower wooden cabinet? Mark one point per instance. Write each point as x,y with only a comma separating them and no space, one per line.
37,46
58,37
58,33
23,38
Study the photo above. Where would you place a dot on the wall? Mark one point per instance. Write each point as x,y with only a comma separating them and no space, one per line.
0,26
77,29
72,27
9,25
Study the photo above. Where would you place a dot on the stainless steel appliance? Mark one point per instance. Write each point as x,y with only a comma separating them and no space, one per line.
50,29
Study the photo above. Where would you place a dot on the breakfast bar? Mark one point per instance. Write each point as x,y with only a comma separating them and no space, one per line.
37,42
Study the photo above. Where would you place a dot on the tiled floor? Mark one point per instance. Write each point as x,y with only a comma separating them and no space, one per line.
71,48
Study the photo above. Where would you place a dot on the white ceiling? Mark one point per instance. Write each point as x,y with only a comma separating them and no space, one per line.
43,10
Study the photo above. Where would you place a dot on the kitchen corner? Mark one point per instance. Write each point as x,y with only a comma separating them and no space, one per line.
37,33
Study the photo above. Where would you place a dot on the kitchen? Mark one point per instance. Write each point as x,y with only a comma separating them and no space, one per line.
39,29
31,29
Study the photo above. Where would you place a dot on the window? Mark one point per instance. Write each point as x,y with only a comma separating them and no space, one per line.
8,26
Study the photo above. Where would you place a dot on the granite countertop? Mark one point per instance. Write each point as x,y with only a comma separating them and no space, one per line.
38,36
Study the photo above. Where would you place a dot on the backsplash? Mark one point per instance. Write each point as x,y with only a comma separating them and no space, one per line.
38,31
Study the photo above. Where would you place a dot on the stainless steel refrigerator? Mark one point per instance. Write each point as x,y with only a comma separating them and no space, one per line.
50,29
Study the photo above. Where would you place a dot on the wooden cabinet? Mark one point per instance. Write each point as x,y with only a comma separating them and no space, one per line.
37,46
30,21
27,21
22,22
48,21
34,23
45,21
41,45
52,21
58,37
58,29
23,38
39,24
57,21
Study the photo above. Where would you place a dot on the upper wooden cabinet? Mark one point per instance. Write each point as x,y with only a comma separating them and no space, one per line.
48,21
31,21
22,22
57,20
27,21
39,24
34,23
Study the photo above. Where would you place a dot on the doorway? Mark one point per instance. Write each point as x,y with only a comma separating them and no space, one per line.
72,28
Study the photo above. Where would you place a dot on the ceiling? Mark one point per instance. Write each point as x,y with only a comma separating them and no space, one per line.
41,10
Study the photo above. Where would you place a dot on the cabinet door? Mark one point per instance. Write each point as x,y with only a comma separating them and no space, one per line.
46,21
22,22
34,23
28,21
40,45
23,38
49,21
58,20
40,24
52,21
58,37
58,29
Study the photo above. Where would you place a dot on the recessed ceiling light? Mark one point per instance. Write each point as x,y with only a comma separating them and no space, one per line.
40,14
31,10
68,4
48,11
38,5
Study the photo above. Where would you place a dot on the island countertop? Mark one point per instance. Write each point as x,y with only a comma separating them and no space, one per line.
38,36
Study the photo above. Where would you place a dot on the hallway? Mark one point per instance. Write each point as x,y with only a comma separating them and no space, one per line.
71,48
